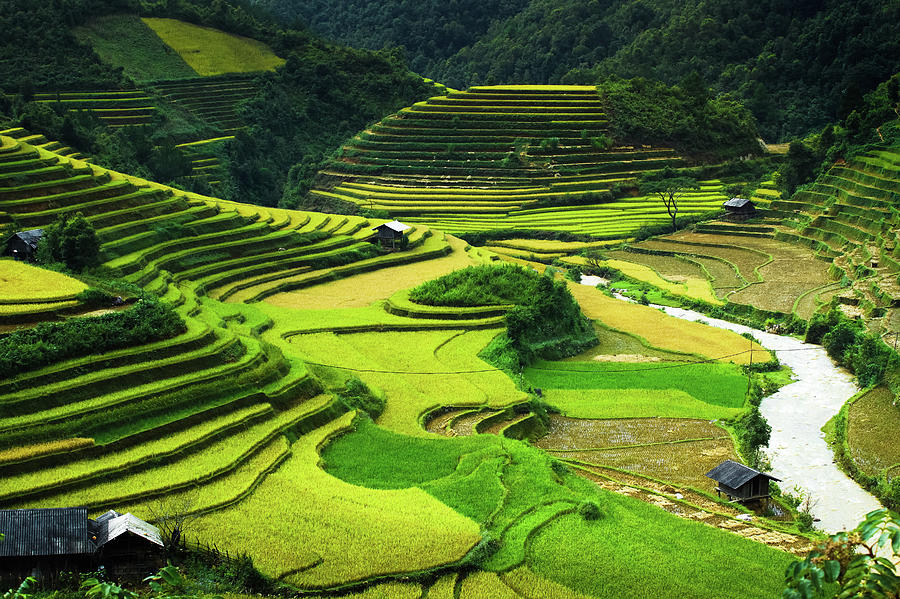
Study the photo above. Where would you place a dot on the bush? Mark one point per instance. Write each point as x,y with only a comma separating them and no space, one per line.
71,241
51,342
846,341
95,298
589,510
357,396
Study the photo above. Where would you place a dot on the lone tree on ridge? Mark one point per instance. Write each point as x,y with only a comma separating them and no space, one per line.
669,186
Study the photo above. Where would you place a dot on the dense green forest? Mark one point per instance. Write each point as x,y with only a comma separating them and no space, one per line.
322,95
430,31
797,65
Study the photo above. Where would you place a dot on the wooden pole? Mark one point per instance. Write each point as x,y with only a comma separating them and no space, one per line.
750,367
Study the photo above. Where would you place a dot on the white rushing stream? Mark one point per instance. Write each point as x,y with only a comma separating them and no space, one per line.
797,412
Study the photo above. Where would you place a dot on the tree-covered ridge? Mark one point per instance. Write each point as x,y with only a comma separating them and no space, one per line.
430,30
322,95
797,65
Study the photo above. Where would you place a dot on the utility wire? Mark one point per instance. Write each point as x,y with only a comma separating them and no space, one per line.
647,369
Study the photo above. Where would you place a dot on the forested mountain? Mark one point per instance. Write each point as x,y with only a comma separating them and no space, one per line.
431,31
797,65
323,94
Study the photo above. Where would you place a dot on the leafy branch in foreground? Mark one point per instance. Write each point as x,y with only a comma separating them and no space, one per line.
859,562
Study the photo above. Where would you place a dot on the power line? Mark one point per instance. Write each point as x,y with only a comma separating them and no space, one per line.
585,370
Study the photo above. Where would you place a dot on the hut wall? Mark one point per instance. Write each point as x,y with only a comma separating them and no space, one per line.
131,558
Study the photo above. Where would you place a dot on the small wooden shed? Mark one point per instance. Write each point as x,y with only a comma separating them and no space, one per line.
390,233
128,547
739,482
739,209
44,542
23,245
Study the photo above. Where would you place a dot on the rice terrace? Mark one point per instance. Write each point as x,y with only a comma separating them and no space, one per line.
519,305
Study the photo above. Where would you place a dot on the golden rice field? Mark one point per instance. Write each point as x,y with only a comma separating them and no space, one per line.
212,52
666,332
22,283
689,286
425,352
366,288
329,532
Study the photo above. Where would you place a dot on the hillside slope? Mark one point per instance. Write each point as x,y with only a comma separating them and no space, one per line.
773,55
507,159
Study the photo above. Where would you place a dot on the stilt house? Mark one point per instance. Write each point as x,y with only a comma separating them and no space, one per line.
23,245
389,234
740,483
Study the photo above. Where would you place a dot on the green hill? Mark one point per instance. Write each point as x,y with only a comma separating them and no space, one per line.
145,76
511,160
775,56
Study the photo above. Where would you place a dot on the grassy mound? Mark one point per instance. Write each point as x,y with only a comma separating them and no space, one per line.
545,322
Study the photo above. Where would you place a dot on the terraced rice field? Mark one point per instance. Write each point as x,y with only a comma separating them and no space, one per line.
214,402
766,273
427,355
116,108
504,157
871,433
665,332
213,99
848,215
234,415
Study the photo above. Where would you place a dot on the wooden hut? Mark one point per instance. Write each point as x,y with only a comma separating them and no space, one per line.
739,482
44,542
128,547
390,233
739,209
23,245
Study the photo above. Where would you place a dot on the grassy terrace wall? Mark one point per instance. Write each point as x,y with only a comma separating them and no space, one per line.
508,157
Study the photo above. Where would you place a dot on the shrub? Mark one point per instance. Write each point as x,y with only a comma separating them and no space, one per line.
95,298
589,510
51,342
71,241
357,396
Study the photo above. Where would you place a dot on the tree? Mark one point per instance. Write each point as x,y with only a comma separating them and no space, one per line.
173,515
668,186
72,241
858,561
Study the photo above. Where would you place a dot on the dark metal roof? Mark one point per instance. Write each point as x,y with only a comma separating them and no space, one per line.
53,531
737,203
733,474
